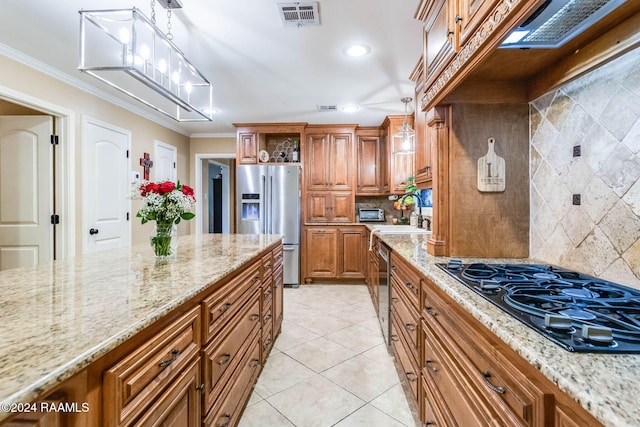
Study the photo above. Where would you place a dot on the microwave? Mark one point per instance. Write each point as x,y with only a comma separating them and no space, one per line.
371,215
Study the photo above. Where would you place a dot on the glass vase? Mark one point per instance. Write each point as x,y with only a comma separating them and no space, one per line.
164,241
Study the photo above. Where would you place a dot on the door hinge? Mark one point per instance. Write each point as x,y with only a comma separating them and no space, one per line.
55,219
127,216
174,165
55,140
127,154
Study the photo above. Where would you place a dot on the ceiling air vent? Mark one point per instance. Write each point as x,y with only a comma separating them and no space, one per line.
558,21
299,14
327,108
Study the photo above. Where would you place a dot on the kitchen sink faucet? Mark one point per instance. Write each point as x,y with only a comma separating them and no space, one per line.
419,206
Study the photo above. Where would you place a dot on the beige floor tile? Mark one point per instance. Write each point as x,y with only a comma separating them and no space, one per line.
369,416
315,402
254,398
320,354
263,415
279,373
393,402
357,338
319,322
293,335
363,377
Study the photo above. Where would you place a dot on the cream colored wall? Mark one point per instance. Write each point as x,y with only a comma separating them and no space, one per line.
33,83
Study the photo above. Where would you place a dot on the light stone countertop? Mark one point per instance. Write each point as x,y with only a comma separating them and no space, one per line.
59,317
606,385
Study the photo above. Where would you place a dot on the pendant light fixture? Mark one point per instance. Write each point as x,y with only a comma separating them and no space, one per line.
404,139
127,51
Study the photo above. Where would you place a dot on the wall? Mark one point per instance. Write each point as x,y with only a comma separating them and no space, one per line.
32,83
601,112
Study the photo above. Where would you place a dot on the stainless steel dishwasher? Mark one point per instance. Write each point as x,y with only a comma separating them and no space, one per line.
384,291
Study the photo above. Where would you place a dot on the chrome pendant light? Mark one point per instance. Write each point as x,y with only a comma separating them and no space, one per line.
404,139
127,51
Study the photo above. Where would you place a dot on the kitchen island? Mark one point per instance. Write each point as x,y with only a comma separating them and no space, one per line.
58,319
607,386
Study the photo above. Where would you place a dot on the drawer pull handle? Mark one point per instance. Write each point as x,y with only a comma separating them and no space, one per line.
393,267
409,285
254,317
267,318
267,343
267,294
430,311
200,387
394,300
496,388
224,359
410,327
254,363
255,279
174,355
394,338
225,307
429,366
429,423
411,376
227,420
267,266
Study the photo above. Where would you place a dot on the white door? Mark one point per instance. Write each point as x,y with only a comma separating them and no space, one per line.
164,164
26,175
106,187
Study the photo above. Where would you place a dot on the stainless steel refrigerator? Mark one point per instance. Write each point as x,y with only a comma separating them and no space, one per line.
268,202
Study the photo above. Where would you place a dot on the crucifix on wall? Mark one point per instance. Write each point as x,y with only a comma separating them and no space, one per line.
147,164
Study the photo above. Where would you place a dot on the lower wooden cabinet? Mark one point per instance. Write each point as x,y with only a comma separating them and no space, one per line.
334,252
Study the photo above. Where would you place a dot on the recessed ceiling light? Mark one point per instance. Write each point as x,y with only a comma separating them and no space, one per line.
357,50
349,108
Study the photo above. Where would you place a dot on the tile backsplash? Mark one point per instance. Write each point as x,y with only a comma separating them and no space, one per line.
600,113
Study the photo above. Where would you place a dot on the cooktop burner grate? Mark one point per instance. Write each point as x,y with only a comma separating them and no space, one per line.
578,312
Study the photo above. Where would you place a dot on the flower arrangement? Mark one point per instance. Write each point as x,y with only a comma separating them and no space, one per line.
166,203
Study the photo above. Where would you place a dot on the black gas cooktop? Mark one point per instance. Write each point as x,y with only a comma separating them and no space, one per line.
578,312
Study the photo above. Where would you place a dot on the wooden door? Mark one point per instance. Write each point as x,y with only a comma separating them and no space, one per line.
439,41
321,256
26,191
317,162
370,166
247,148
351,250
106,177
339,162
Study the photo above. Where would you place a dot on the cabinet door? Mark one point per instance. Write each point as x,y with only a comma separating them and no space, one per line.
439,39
401,164
278,298
248,148
321,259
370,165
340,161
318,205
350,253
342,208
469,15
423,151
317,162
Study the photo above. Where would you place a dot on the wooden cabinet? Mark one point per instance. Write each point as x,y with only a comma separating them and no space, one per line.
372,178
247,149
334,253
469,14
424,147
329,161
278,138
439,37
401,165
330,206
373,274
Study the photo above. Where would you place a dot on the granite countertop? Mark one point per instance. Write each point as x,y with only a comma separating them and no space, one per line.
606,385
59,317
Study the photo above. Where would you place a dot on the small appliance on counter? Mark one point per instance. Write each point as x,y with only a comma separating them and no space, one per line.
371,215
578,312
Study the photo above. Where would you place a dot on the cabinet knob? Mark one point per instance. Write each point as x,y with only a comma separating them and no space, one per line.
457,19
200,387
429,366
449,32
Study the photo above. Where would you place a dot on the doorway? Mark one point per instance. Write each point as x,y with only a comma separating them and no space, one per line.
214,187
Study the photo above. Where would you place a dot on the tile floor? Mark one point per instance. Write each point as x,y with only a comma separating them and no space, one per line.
329,366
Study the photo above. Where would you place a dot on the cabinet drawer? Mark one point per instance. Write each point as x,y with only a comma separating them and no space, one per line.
497,374
409,371
137,380
267,265
407,317
434,410
278,257
267,339
225,302
225,351
179,405
226,413
407,278
267,291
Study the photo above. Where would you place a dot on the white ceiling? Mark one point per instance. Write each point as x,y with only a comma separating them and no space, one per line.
261,71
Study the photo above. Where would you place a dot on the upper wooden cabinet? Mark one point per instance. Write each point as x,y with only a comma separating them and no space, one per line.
439,37
469,14
372,179
329,160
276,139
401,165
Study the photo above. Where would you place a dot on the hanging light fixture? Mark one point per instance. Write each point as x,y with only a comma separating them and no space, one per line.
404,139
123,48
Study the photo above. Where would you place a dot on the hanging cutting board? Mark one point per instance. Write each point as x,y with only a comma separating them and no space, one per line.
491,170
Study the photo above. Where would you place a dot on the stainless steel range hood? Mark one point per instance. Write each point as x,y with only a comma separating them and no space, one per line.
558,21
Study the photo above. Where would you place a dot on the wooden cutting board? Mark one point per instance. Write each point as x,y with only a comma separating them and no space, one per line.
491,170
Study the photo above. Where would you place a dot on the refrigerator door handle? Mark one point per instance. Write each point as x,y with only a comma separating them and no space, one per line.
263,205
271,204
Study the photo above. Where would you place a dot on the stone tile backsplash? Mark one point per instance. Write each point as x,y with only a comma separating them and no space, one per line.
600,112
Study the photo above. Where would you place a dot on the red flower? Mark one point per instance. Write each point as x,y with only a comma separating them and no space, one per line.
166,187
150,187
187,191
